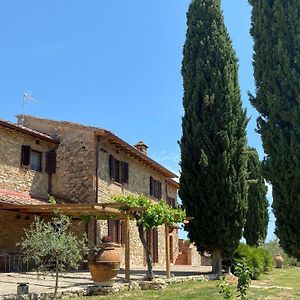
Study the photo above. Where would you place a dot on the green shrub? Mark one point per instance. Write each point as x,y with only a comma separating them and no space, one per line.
258,259
273,248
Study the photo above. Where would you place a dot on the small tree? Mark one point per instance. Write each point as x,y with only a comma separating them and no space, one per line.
51,247
152,216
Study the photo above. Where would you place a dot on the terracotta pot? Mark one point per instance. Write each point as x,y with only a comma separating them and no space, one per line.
278,261
105,265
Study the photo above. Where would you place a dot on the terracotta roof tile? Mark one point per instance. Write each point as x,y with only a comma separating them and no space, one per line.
9,197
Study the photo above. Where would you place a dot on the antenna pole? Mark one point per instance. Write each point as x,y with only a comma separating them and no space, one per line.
23,105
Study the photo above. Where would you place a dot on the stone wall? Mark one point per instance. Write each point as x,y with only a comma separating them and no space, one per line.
74,178
172,192
138,183
139,176
12,176
12,227
194,256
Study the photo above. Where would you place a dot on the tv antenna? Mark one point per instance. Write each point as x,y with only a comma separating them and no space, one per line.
27,96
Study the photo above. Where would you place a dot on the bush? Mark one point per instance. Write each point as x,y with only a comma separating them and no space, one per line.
258,259
274,248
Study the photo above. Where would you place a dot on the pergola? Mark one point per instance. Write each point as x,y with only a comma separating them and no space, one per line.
102,211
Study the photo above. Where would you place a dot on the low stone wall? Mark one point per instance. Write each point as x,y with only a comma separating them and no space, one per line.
94,290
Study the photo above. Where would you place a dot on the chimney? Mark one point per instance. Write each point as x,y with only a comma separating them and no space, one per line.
141,146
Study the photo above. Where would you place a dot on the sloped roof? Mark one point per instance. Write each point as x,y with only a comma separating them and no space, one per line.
14,198
115,140
29,131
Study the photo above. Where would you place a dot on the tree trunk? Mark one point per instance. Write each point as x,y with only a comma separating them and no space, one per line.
217,262
149,275
56,279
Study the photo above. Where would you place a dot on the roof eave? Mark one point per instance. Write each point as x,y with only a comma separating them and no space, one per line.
136,153
29,132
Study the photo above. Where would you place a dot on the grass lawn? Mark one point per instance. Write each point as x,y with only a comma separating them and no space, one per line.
279,284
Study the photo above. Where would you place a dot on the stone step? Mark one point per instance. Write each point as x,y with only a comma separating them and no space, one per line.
182,259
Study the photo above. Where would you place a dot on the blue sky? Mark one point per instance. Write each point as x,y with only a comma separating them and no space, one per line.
111,64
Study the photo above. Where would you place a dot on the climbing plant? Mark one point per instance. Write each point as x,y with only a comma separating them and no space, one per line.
151,215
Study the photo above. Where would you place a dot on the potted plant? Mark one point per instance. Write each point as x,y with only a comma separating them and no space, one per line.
104,264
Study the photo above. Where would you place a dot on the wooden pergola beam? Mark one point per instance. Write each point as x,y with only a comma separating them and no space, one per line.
167,244
127,248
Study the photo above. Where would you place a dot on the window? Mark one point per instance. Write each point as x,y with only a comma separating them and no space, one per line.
118,170
171,202
152,241
155,188
116,230
32,159
36,160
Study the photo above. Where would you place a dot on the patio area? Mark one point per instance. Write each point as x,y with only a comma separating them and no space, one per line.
81,280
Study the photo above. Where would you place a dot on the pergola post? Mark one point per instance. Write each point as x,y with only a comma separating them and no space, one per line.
167,242
127,248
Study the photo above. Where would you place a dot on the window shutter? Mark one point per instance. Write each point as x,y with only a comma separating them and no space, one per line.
151,186
123,232
25,156
155,245
125,173
50,162
119,231
117,170
112,167
159,190
110,225
174,202
154,188
168,200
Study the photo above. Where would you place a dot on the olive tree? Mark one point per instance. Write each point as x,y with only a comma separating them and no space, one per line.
51,247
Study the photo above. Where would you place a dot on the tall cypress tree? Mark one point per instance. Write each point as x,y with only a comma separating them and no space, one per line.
276,33
213,185
255,230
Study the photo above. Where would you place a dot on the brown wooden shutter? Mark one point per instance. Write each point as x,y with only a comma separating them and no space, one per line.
159,190
110,225
50,162
155,245
117,171
168,200
125,173
123,232
151,186
174,203
25,156
112,167
119,226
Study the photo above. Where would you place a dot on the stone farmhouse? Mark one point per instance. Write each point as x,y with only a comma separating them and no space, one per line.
81,164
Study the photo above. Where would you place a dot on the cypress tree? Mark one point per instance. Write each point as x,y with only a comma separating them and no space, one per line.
276,33
213,185
257,219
